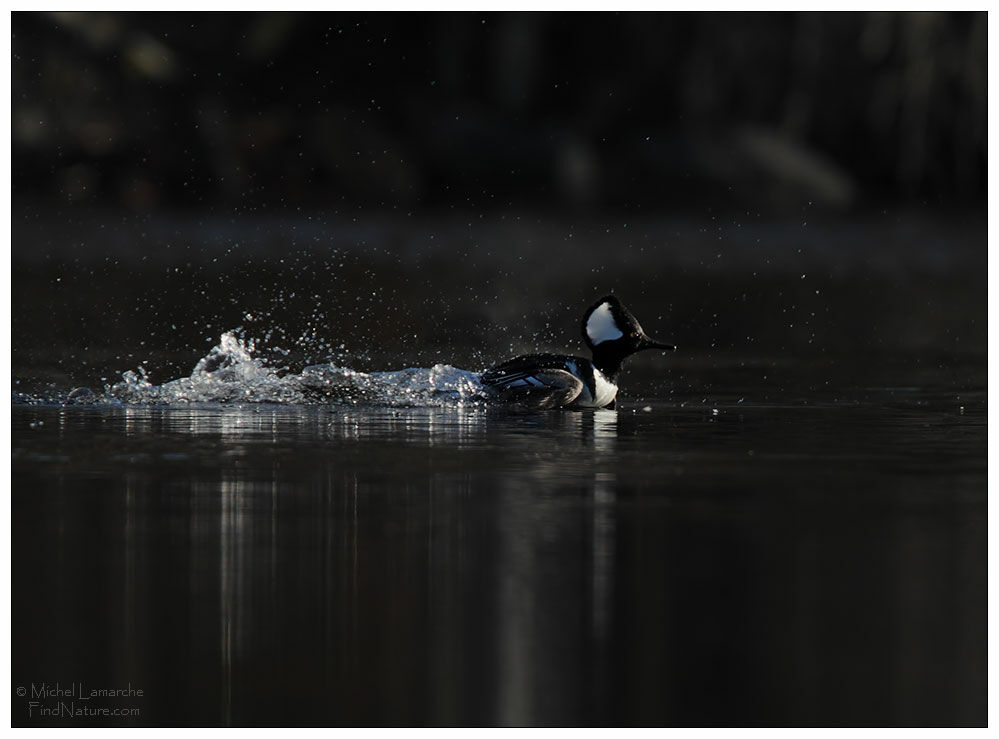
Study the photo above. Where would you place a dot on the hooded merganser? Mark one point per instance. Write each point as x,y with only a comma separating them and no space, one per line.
561,381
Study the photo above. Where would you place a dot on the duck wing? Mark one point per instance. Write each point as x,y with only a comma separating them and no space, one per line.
538,381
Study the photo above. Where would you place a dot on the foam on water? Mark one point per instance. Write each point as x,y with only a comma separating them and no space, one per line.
230,373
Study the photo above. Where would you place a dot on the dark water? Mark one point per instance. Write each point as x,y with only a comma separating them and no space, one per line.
756,564
782,524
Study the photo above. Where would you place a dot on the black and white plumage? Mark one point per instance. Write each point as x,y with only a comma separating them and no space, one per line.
562,381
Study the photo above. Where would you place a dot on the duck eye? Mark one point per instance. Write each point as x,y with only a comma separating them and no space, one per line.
634,334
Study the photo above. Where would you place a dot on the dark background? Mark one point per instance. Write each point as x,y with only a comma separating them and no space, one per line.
280,111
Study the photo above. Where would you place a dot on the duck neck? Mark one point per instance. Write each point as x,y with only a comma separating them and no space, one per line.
608,362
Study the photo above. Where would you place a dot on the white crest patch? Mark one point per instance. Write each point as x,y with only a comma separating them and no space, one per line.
601,326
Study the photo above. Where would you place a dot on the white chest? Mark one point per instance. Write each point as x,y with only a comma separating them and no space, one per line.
604,391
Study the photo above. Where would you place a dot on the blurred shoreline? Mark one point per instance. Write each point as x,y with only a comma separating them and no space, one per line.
578,111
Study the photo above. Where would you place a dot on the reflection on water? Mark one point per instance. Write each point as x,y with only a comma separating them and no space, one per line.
246,520
345,565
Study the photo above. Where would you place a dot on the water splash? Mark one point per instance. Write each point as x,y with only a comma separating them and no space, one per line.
230,373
